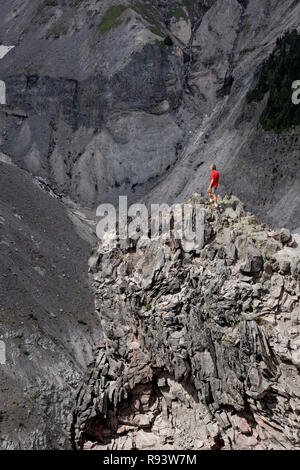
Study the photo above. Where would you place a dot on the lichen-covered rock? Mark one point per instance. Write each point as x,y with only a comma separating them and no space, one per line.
200,352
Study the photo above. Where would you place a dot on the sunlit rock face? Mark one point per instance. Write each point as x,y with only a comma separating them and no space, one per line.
201,348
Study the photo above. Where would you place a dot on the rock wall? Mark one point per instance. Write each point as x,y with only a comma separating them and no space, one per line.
201,347
87,99
228,44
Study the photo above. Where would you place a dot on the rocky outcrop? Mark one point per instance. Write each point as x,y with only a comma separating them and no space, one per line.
201,347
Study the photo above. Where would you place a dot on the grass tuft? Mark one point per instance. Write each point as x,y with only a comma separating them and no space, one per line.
111,18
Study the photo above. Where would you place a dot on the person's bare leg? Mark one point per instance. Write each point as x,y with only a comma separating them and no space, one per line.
215,199
209,194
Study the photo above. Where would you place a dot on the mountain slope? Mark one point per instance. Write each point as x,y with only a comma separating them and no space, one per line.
104,99
262,168
110,98
47,317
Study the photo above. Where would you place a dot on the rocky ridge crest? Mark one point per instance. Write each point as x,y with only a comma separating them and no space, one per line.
202,348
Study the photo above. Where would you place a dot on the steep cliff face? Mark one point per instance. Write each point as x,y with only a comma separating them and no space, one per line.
90,86
202,346
138,97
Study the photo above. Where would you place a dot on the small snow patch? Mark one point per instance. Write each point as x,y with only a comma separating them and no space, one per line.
5,50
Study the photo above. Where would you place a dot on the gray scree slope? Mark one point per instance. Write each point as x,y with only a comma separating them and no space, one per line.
101,111
47,319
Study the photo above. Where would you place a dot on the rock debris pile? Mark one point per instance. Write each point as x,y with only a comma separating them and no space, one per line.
202,348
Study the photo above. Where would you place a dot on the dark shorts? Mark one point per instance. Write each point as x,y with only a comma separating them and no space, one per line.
214,189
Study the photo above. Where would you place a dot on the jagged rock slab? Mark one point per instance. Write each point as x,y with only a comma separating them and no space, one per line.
200,352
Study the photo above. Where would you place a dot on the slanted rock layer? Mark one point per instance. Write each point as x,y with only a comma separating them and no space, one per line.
202,348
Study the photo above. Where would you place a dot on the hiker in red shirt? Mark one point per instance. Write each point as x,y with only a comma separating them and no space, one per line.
214,183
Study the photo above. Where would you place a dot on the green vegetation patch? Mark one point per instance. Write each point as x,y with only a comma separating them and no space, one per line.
146,11
276,76
56,32
156,31
111,18
149,14
177,12
190,5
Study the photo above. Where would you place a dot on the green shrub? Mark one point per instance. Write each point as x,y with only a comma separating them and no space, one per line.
276,76
189,4
168,41
177,12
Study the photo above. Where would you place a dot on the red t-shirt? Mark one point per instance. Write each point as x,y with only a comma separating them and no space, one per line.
215,176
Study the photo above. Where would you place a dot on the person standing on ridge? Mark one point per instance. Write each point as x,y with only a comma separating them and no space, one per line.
214,183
